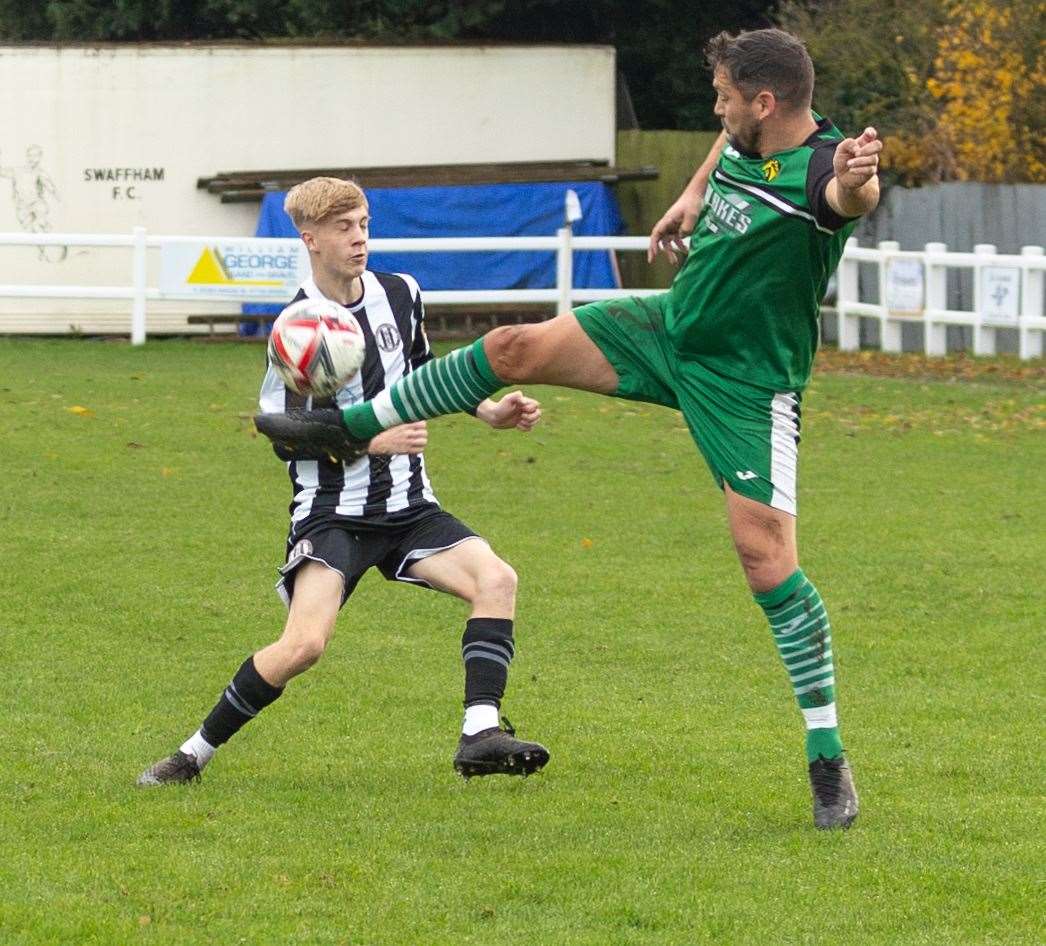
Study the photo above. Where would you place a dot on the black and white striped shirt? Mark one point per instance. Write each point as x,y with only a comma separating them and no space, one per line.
374,489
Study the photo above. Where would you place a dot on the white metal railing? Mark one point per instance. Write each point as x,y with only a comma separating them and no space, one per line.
1017,304
931,309
563,243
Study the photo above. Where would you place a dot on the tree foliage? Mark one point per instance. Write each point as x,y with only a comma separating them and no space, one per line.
988,79
954,86
659,45
659,42
873,62
159,20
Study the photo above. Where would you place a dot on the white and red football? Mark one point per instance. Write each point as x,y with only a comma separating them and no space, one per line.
316,347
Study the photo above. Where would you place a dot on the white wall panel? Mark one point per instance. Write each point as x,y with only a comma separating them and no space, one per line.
167,115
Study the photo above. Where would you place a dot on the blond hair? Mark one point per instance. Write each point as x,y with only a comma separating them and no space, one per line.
319,197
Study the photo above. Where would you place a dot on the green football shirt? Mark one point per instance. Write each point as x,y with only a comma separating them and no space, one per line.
747,299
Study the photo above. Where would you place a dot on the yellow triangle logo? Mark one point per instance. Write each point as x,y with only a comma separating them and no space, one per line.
208,270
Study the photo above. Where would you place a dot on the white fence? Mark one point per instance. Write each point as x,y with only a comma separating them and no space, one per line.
1008,289
913,288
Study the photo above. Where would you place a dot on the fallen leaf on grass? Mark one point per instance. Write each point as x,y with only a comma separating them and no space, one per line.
144,920
80,411
586,543
134,445
166,471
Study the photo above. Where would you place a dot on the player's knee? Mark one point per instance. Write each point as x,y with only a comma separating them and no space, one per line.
754,558
512,352
307,653
764,567
304,650
501,579
497,582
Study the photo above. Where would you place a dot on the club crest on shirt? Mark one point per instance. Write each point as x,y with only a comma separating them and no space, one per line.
771,169
387,336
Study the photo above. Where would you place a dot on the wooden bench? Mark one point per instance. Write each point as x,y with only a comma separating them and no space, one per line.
245,186
229,318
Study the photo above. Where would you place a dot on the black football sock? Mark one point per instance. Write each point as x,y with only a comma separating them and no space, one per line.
487,650
246,696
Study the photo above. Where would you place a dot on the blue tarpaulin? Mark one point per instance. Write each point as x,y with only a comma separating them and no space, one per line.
475,210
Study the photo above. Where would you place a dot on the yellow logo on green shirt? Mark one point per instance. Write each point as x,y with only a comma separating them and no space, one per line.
771,169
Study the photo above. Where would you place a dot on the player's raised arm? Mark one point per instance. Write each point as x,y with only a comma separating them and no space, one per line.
854,191
680,219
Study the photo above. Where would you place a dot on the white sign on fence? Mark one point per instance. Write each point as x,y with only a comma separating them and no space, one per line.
1000,293
905,285
258,269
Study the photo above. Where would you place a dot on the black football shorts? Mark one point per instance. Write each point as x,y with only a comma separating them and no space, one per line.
351,551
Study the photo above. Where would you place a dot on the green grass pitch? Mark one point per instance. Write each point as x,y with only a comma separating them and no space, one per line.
142,522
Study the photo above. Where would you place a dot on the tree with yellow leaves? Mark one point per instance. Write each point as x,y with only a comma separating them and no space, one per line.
988,78
955,87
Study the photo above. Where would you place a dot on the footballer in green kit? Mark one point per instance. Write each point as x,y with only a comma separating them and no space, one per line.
730,346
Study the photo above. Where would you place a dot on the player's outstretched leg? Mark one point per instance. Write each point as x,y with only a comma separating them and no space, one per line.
460,381
799,623
245,696
485,748
558,351
456,382
316,597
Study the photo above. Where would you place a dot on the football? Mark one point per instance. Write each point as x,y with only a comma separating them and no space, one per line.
316,347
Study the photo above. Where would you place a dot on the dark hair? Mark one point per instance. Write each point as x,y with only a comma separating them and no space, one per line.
765,59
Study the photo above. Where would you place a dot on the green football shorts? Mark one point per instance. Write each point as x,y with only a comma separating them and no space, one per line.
749,436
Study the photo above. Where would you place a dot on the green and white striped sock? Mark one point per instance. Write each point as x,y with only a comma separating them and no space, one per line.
799,623
457,382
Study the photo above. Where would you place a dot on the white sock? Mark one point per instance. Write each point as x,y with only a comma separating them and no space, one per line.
197,746
820,717
479,717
